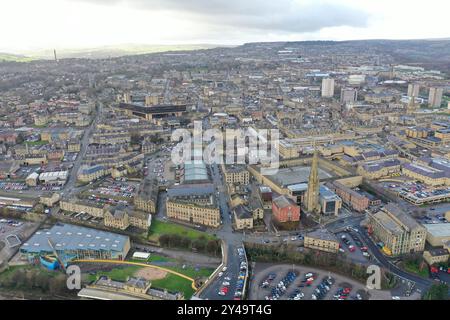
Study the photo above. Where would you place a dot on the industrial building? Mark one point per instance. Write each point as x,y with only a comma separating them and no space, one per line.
73,242
398,231
438,233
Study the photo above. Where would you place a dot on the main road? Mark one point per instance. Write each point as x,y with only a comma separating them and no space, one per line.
69,187
231,241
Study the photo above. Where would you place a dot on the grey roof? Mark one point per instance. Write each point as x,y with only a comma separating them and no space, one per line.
401,215
70,237
438,229
186,190
322,234
282,202
195,171
242,212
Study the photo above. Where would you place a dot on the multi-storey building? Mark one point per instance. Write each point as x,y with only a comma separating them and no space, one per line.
194,203
398,231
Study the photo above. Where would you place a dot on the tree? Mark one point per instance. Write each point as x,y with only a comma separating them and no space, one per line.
437,292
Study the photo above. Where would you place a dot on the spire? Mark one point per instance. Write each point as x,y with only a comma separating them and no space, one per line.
312,193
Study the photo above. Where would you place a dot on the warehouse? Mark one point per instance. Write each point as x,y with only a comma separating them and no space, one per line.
74,242
53,178
438,233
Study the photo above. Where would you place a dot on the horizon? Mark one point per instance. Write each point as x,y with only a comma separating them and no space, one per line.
98,23
38,52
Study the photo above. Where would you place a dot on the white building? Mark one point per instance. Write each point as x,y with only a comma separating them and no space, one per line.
54,178
327,88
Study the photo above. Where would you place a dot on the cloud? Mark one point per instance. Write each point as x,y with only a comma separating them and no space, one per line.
282,16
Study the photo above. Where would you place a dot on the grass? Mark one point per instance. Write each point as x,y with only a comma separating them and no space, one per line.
35,143
191,272
174,283
159,228
414,267
118,274
11,270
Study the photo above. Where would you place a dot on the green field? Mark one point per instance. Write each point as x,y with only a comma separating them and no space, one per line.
118,274
36,143
174,283
159,228
15,58
414,267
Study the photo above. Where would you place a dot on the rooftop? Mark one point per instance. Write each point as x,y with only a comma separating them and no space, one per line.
70,237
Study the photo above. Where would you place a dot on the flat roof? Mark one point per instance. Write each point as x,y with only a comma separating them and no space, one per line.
71,237
438,229
296,175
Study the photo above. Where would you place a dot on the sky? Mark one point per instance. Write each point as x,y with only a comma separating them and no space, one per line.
46,24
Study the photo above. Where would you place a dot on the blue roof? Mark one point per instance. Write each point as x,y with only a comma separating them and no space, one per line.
70,237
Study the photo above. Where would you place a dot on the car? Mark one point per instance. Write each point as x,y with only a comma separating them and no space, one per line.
352,248
341,250
227,278
225,283
395,298
224,269
220,274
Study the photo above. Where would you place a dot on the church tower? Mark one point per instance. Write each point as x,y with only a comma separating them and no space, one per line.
312,193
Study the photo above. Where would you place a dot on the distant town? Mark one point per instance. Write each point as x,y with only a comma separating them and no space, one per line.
89,190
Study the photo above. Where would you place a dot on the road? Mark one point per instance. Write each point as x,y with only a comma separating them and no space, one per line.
69,188
231,240
421,283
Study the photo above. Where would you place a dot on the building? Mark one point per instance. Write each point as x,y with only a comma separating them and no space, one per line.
436,256
426,174
357,201
120,217
379,169
152,112
49,199
74,242
285,209
91,173
435,97
132,289
413,90
329,202
437,234
92,208
32,179
147,196
243,217
236,174
54,178
194,172
348,95
312,193
398,231
322,240
193,203
287,150
327,88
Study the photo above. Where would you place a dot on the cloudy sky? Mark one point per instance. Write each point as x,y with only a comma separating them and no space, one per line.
44,24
